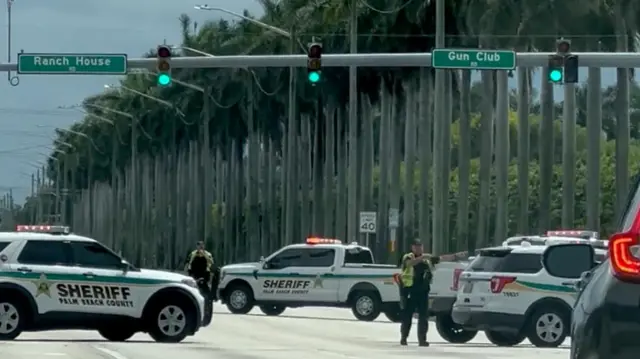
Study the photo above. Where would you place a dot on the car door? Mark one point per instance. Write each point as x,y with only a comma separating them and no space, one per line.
42,267
319,268
281,279
105,286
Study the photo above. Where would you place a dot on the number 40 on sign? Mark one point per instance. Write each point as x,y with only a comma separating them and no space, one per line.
367,222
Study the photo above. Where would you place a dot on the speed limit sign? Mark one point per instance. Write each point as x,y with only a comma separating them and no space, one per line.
367,222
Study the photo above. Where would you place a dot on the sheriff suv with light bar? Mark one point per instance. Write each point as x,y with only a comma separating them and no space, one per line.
326,272
51,279
508,293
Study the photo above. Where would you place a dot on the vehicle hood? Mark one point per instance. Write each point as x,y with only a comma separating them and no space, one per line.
241,267
163,275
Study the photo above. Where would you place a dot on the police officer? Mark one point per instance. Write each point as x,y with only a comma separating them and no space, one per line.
200,266
415,278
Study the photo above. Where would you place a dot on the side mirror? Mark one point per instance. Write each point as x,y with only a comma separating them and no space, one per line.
124,265
261,259
568,260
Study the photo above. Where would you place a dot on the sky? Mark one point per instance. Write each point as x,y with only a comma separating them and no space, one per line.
28,112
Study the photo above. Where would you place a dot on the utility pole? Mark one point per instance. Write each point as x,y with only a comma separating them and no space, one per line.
352,198
208,190
58,179
114,192
438,229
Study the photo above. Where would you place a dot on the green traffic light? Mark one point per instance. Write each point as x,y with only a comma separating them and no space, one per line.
164,79
314,77
555,75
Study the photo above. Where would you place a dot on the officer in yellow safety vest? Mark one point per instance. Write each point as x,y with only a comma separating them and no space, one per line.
415,278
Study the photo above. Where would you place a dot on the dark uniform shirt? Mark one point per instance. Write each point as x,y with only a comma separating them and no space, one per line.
420,282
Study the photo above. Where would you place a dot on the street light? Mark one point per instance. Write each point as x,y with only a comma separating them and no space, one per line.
153,98
263,25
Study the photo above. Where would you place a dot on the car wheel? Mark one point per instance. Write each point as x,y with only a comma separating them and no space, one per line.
12,318
272,309
171,322
504,339
119,334
394,313
366,306
240,299
453,332
548,327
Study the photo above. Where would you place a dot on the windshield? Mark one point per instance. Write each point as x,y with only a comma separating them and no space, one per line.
358,256
488,260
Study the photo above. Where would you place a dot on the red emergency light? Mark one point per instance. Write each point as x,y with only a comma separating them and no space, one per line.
42,229
315,240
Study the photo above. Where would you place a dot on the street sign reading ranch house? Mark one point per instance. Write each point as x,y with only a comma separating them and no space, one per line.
70,64
475,59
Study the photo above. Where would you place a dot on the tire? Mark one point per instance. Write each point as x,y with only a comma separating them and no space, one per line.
366,305
208,313
453,332
504,339
240,299
272,309
394,314
119,334
170,321
556,322
13,318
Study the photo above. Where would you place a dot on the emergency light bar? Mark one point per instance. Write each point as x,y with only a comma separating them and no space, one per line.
314,240
575,234
43,229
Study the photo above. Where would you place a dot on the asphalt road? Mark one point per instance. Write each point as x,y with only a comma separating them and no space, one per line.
315,333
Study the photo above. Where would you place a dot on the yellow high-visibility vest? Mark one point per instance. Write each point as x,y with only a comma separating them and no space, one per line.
407,271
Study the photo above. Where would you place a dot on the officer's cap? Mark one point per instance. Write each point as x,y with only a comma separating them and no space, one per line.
416,242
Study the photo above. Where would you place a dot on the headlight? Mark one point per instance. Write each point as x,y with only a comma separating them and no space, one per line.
190,282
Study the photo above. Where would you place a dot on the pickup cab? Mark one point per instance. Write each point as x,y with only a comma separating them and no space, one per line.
327,273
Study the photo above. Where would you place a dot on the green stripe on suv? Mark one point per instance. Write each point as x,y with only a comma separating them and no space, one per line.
547,287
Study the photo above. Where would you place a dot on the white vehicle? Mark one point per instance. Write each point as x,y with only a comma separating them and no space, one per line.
506,292
51,280
325,272
555,237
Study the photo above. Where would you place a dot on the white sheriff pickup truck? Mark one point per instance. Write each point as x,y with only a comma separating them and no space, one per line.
326,272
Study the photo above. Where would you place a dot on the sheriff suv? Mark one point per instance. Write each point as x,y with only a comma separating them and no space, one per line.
51,280
508,293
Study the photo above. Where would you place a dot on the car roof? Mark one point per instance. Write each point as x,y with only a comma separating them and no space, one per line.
18,236
531,249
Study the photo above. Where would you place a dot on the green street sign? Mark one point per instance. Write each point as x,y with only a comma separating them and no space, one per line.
475,59
72,64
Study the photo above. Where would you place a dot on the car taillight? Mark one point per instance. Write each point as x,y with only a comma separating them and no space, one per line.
625,265
456,278
498,283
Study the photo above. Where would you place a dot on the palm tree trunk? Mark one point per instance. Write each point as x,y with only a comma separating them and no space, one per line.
546,143
409,165
502,156
484,176
568,156
383,183
622,115
330,172
464,162
523,149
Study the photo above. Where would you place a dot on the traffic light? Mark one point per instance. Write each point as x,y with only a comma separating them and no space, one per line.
556,69
314,63
163,65
571,65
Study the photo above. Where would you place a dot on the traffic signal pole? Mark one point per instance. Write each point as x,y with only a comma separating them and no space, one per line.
420,59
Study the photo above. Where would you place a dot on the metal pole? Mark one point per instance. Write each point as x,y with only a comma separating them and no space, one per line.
352,199
291,196
568,155
58,177
537,59
438,229
208,193
114,192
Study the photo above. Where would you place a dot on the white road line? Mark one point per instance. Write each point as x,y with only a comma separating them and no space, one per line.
111,353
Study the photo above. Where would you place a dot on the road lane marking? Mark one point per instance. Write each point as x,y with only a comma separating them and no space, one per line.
111,353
